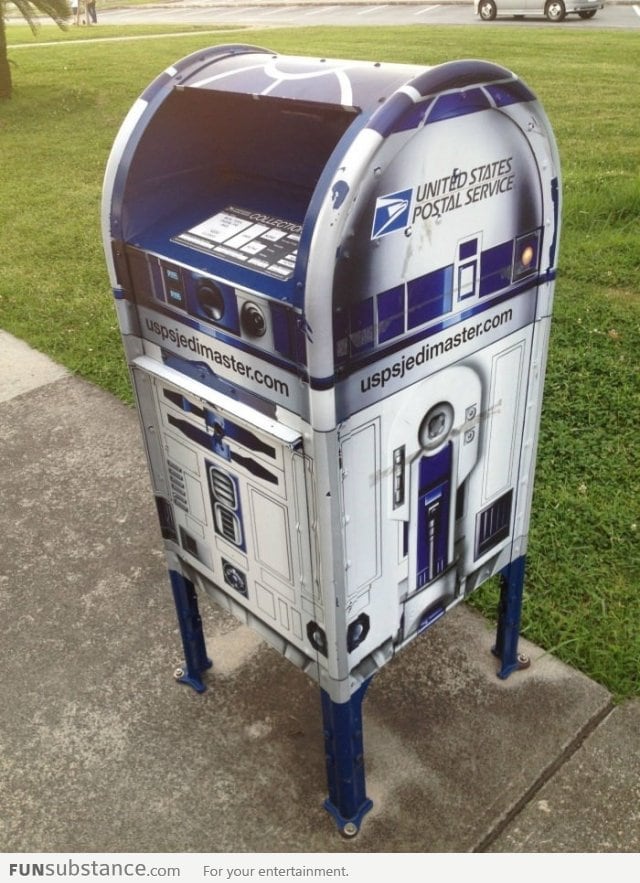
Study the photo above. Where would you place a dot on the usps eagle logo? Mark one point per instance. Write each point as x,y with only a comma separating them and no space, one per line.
391,213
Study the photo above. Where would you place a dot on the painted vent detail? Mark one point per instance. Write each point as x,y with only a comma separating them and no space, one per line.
178,488
492,524
226,506
228,525
223,488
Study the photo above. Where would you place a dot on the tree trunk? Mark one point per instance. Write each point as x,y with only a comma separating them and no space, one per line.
5,70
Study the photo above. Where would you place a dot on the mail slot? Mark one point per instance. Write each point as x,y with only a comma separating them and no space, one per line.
334,285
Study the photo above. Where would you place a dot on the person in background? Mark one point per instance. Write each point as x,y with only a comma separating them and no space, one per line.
92,16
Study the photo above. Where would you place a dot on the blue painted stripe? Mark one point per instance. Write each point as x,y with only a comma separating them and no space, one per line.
322,383
494,86
353,367
514,92
414,117
456,104
391,313
430,617
385,119
459,75
429,296
555,196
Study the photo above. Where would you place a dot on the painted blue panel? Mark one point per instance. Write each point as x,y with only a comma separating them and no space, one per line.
341,334
434,505
283,333
495,268
468,249
430,296
510,93
458,75
457,104
386,119
398,116
361,331
414,117
423,334
555,195
492,524
390,313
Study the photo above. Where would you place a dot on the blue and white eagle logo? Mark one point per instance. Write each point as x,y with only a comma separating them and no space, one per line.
391,213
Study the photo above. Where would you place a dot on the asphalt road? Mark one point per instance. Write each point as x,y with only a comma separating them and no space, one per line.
613,16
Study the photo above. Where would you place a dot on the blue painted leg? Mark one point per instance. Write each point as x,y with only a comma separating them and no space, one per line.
509,613
195,651
344,751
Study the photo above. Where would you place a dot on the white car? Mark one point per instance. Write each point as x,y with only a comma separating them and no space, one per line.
554,10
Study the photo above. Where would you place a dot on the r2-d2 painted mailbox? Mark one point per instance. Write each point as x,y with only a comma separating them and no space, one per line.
334,285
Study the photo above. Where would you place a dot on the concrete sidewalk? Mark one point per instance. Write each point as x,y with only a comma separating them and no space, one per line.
103,752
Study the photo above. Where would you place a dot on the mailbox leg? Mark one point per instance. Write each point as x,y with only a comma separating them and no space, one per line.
195,652
344,751
509,613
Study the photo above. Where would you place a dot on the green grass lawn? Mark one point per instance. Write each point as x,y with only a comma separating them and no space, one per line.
583,590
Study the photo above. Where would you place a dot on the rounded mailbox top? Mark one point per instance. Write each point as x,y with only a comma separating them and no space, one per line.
362,85
364,204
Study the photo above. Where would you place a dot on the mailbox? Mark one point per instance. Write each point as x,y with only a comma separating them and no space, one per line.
334,285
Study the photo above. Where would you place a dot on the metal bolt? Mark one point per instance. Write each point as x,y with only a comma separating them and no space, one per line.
350,830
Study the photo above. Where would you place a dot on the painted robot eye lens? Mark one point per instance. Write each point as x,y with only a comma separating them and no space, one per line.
253,321
436,426
527,256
